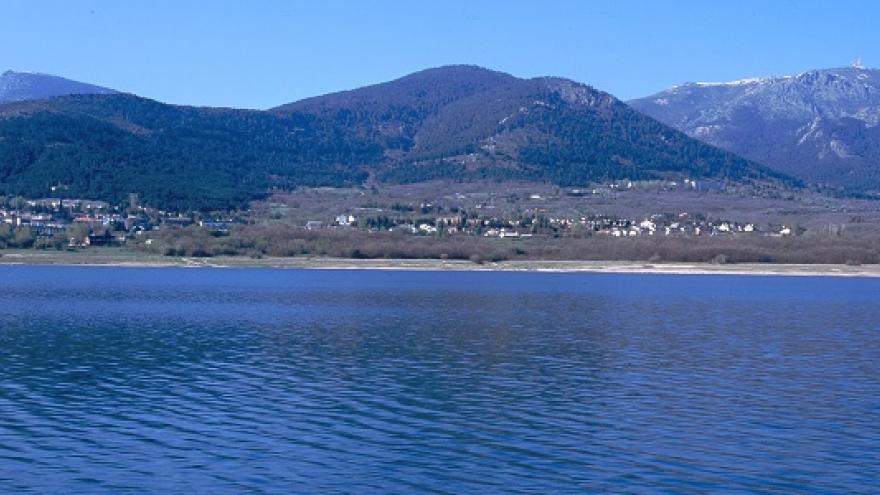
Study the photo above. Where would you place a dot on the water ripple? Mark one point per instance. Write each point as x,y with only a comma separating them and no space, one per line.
279,381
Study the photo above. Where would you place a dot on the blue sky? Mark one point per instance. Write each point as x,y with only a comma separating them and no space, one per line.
264,53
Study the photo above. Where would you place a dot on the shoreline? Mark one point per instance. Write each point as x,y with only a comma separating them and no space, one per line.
121,258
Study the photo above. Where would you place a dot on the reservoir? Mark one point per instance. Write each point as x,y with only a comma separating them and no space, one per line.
176,380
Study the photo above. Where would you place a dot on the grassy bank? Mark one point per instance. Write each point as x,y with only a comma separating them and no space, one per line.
280,241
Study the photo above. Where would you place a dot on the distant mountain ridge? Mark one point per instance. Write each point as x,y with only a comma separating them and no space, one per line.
454,122
27,86
822,125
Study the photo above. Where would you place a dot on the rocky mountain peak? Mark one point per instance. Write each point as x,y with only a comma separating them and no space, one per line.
820,125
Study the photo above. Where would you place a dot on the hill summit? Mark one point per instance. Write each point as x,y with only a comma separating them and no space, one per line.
467,121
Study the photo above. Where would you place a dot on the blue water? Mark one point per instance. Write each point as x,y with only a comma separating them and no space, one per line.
116,380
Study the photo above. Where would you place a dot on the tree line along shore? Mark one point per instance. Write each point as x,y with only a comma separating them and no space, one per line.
282,241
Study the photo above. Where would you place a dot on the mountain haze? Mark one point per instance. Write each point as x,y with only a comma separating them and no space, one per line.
24,86
821,126
456,122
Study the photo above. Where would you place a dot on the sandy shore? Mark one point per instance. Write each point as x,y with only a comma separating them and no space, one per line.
123,258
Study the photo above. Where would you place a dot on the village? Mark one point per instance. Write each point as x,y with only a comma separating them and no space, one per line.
680,208
79,223
532,224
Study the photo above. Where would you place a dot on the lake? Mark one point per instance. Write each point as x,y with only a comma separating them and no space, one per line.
175,380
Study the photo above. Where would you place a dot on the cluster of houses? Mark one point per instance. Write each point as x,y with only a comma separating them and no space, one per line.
682,224
96,228
663,225
82,222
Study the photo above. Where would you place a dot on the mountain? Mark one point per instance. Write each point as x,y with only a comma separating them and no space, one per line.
24,86
456,122
470,122
820,126
174,157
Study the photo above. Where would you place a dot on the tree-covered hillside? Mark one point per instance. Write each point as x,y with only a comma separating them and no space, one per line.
174,157
455,122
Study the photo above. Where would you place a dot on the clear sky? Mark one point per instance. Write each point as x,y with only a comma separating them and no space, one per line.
262,53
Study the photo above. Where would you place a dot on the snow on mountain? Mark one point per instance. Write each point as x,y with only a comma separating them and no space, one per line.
821,125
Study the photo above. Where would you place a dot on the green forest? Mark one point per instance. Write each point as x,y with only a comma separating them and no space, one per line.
187,158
